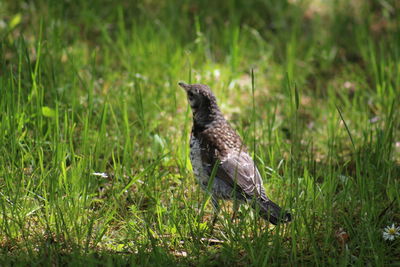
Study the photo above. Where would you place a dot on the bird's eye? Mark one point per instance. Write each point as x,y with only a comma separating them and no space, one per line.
190,95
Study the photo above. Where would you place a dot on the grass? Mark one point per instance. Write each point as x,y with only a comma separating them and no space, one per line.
313,87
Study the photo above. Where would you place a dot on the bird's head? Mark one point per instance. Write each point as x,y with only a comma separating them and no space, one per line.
202,101
198,95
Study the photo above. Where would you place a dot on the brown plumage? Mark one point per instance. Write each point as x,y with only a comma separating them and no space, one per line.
213,142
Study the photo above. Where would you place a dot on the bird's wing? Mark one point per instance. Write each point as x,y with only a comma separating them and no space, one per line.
238,169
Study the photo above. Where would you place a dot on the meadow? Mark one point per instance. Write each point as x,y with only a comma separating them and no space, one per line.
94,130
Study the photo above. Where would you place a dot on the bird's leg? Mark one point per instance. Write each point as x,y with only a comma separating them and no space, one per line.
235,209
216,213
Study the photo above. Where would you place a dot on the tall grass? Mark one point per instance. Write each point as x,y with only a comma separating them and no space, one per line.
90,88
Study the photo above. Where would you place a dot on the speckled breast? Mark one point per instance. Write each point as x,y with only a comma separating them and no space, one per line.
201,171
197,163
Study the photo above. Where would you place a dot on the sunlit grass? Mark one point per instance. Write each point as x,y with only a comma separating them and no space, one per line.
90,88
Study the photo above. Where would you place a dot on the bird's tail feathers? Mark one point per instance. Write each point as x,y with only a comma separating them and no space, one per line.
272,212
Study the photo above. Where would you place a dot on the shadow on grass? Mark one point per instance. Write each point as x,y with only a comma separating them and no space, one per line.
53,253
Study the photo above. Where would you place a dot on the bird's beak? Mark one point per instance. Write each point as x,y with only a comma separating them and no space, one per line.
185,86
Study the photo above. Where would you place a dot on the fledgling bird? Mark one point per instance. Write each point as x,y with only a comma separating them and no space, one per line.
215,148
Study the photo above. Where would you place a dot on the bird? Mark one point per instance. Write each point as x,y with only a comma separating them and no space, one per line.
221,162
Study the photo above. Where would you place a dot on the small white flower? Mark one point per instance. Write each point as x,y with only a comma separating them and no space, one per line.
217,74
140,77
391,232
101,174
